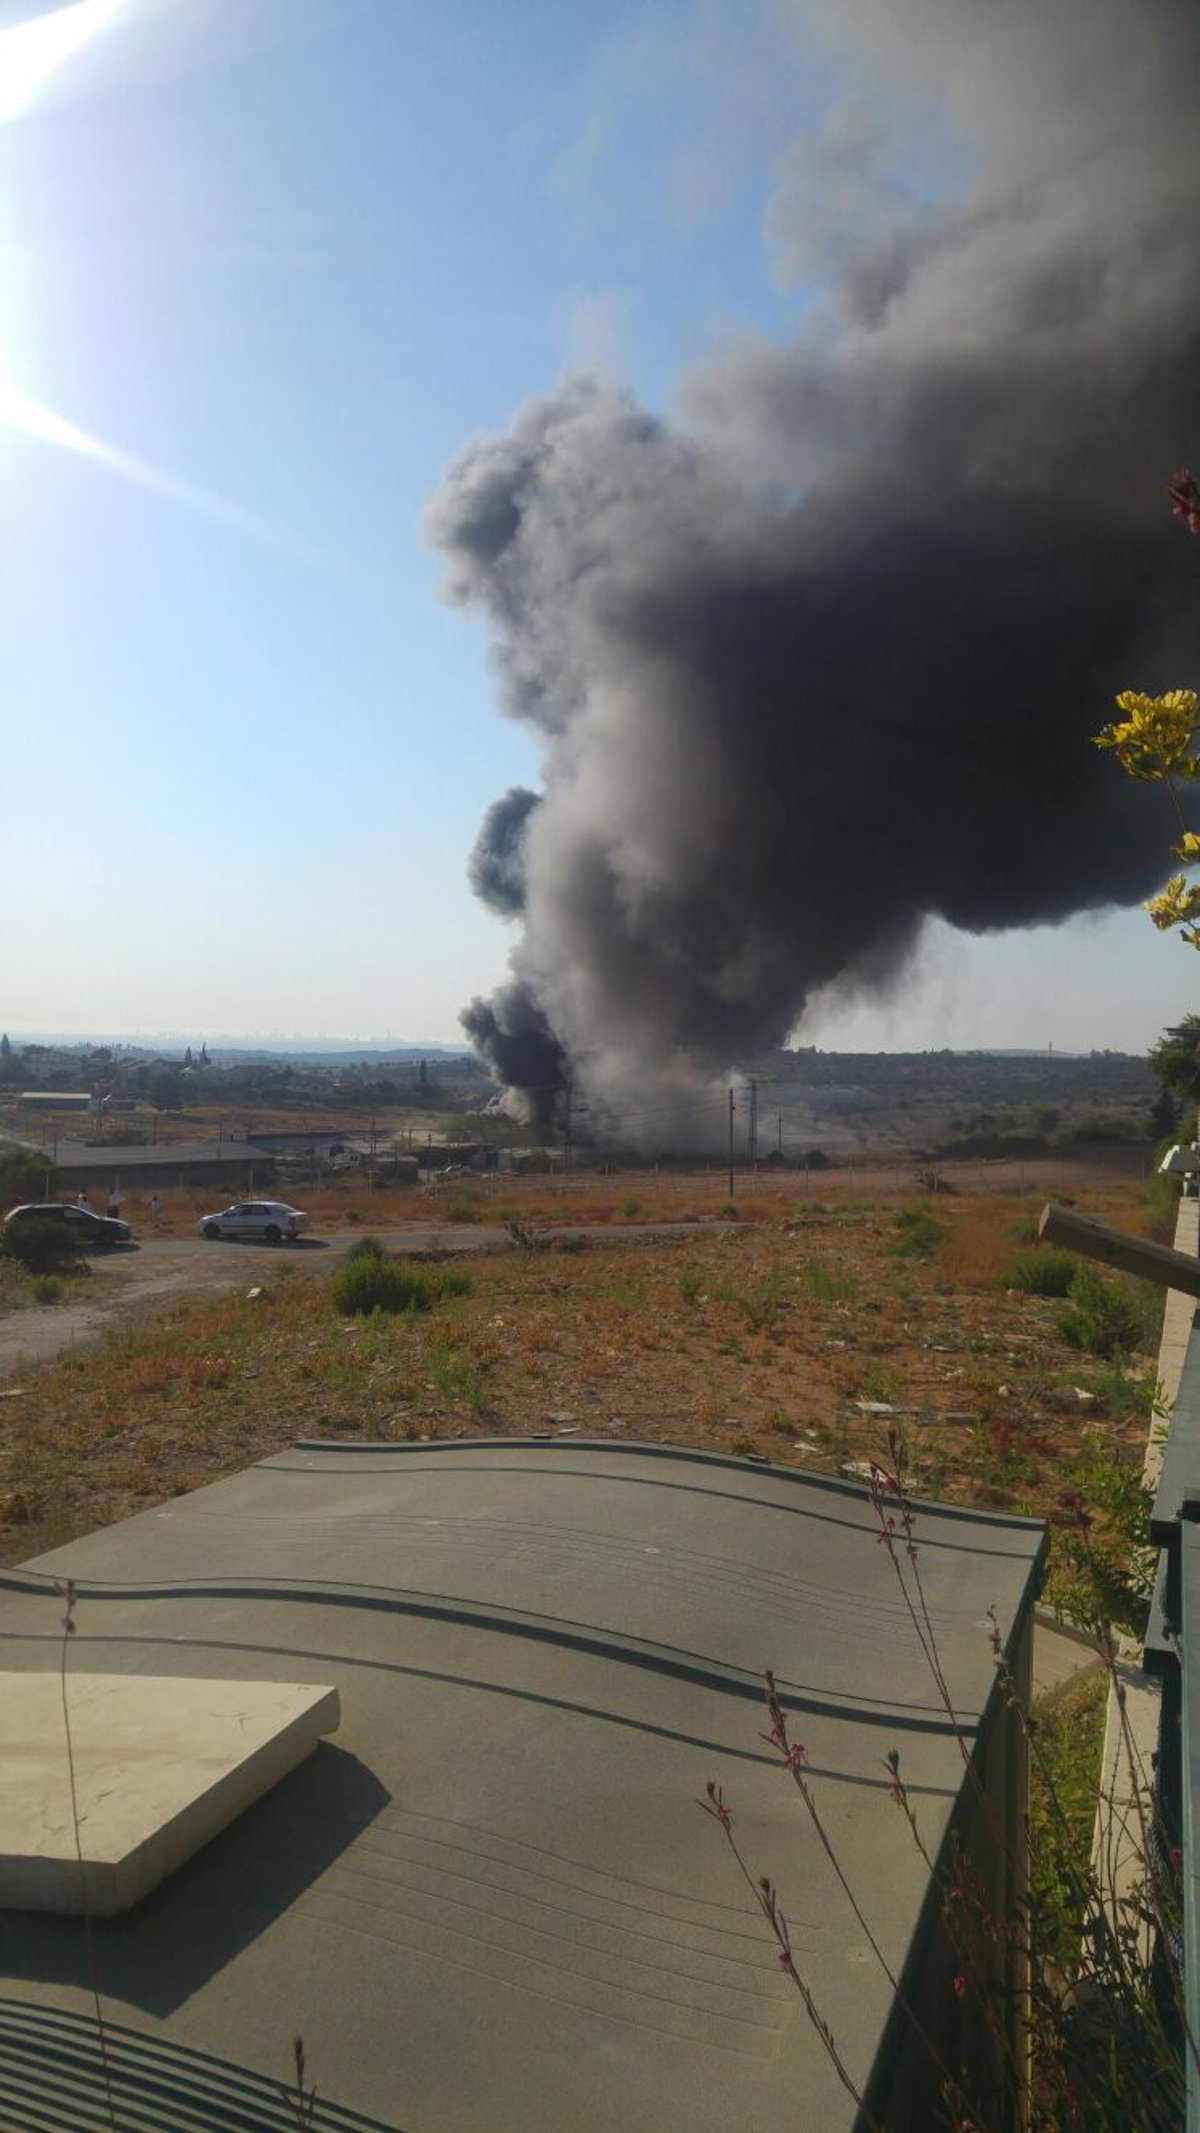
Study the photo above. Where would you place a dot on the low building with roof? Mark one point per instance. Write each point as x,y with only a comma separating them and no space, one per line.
159,1163
491,1899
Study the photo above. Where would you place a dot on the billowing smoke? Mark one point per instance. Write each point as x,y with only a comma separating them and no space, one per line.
496,870
821,658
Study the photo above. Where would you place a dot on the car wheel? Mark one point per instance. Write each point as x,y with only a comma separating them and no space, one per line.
212,1230
272,1234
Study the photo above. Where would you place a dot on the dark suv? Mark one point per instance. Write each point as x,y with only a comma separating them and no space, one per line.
79,1221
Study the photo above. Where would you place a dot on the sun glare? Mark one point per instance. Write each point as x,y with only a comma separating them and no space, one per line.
33,51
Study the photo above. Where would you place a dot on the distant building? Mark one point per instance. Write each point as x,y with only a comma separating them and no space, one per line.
55,1100
160,1163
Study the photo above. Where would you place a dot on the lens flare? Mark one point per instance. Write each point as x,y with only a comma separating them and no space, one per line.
33,51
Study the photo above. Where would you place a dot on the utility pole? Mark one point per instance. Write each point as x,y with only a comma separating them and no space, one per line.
731,1144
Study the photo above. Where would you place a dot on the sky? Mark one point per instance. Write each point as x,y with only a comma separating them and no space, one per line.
266,266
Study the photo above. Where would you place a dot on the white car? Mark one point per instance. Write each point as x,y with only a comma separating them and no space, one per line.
272,1220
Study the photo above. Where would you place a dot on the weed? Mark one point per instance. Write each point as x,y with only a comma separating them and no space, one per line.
630,1208
740,1443
630,1295
690,1285
827,1284
727,1211
456,1374
48,1289
1107,1317
1041,1273
763,1301
880,1383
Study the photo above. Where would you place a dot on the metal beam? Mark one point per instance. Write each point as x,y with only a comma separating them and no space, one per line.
1134,1255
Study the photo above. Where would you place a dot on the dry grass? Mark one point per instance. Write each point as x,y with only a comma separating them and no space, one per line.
757,1339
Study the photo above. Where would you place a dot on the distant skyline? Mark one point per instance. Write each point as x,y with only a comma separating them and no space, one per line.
264,270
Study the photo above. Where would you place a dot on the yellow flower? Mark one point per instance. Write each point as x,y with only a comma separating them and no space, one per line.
1177,905
1156,735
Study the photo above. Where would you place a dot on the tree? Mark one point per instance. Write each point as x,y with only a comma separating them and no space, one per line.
1175,1059
5,1047
187,1057
166,1090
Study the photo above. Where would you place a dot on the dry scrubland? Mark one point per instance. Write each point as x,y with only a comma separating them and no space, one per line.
762,1337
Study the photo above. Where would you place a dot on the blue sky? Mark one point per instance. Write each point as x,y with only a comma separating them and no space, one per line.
281,259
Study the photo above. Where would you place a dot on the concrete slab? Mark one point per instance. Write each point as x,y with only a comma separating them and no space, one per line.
160,1766
1060,1654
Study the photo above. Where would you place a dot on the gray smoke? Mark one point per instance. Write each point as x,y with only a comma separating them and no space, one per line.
496,868
822,659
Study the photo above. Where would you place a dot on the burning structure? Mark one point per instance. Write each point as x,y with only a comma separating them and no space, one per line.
819,658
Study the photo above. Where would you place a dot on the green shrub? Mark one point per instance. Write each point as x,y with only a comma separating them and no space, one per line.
42,1247
25,1176
48,1289
828,1284
371,1281
918,1233
457,1375
690,1285
763,1301
366,1248
1044,1273
1105,1317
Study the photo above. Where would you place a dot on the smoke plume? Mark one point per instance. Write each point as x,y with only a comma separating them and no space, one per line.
821,657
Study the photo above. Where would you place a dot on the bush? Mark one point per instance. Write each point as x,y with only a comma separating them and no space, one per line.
366,1248
42,1247
1044,1273
691,1285
918,1233
1105,1317
48,1289
371,1281
25,1176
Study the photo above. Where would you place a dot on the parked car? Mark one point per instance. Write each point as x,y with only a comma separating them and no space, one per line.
272,1220
90,1229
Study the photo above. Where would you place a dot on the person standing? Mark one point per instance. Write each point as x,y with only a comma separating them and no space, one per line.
115,1201
155,1208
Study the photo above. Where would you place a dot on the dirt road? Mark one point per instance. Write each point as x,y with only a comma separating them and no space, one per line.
125,1281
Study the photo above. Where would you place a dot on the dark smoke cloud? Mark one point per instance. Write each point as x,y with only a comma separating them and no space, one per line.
496,868
825,661
513,1035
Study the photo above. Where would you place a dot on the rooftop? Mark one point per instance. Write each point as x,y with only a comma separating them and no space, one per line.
492,1900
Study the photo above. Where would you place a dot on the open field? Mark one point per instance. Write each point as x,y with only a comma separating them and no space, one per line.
783,1336
643,1193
